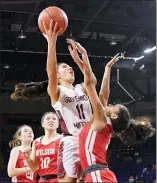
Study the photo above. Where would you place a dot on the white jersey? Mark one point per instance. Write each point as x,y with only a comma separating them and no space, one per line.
73,108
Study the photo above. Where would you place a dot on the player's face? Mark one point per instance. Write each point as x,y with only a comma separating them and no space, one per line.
27,134
112,111
66,73
50,122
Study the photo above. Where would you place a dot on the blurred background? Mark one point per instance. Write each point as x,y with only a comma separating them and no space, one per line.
104,28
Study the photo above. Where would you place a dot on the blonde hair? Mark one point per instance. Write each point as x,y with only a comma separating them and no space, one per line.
16,141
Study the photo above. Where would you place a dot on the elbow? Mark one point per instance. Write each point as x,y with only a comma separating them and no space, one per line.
11,174
95,81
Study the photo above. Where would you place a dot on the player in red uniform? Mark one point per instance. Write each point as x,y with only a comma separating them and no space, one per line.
69,101
43,155
17,166
95,136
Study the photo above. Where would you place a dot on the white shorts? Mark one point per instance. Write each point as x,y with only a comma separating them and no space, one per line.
68,157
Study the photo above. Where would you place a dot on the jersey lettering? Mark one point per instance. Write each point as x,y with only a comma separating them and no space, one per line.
30,175
25,163
79,125
80,111
44,152
76,98
45,162
73,109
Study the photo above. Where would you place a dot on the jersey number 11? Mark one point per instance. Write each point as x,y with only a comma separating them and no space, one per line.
80,111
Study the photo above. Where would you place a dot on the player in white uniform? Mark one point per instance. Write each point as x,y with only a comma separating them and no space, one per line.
74,111
71,104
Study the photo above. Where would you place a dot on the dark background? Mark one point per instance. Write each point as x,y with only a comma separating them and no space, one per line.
95,24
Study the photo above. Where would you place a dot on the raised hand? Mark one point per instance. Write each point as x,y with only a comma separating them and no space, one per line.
74,48
74,53
113,60
51,32
27,152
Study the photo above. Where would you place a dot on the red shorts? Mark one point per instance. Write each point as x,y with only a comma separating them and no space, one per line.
104,176
49,181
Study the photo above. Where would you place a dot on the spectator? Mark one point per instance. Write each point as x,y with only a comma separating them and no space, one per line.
131,179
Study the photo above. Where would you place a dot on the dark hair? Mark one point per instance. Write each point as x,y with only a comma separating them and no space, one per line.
16,142
60,64
132,131
122,121
32,90
43,116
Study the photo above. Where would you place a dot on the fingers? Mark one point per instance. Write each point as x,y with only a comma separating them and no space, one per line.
45,27
27,151
59,31
76,45
55,28
72,47
75,55
69,41
72,43
80,48
116,55
51,25
116,58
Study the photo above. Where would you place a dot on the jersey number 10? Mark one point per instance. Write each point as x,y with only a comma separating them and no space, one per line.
45,162
80,111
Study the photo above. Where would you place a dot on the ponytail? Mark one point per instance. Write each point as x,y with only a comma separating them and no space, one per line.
137,132
14,143
33,90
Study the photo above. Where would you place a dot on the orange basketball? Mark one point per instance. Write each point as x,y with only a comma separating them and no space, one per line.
56,14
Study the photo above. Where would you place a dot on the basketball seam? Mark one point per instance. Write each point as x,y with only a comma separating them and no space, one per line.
52,17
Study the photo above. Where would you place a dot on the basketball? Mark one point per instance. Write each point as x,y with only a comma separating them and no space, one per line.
57,15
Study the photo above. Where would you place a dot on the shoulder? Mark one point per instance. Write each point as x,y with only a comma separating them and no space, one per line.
15,151
79,86
37,139
58,137
108,127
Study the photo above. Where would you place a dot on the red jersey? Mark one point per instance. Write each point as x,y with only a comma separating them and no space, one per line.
47,156
93,145
26,177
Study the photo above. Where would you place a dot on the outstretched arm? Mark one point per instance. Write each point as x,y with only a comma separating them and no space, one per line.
99,120
51,36
105,86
